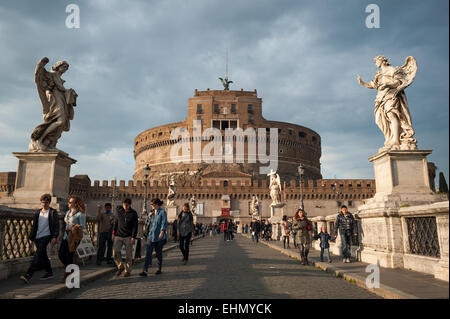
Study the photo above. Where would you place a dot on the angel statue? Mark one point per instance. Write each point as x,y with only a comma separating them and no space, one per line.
57,106
254,206
193,203
391,107
172,191
275,188
225,83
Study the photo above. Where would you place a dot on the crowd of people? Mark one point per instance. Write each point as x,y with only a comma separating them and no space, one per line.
121,229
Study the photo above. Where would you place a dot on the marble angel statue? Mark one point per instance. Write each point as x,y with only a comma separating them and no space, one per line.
57,106
391,107
172,191
275,188
254,206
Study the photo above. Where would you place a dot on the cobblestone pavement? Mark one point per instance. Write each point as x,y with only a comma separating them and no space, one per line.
222,270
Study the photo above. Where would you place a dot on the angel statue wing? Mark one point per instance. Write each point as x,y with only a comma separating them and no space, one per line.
43,82
409,70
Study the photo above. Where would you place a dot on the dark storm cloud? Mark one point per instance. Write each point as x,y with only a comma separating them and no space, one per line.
134,64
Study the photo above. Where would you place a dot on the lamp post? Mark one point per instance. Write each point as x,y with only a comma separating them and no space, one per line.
146,174
301,171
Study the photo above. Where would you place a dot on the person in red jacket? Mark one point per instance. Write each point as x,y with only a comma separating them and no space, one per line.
225,230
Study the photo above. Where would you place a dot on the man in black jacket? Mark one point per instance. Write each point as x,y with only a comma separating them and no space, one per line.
346,224
255,228
124,233
45,229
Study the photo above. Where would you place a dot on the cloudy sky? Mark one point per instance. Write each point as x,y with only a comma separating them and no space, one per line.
134,64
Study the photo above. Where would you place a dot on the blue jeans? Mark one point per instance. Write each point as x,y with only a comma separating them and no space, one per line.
157,246
346,239
327,250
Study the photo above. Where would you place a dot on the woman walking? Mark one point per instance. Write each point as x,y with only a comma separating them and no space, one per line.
75,220
156,235
285,231
303,226
185,230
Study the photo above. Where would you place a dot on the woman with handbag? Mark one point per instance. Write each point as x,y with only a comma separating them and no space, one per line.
185,229
75,220
303,227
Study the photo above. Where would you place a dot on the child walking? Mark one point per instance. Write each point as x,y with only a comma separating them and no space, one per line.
324,242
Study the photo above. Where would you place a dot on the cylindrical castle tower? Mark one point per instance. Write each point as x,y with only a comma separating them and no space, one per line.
222,109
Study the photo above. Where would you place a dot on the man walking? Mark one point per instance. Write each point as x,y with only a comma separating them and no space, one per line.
124,233
105,222
45,229
346,224
255,228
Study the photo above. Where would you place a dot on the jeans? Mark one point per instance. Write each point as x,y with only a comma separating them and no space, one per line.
157,246
184,245
64,254
104,238
294,236
40,259
285,238
327,250
346,239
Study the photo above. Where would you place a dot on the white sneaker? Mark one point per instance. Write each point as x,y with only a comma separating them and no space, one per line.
344,260
348,260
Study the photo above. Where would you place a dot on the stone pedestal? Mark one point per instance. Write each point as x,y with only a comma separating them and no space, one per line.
171,213
39,173
402,180
276,215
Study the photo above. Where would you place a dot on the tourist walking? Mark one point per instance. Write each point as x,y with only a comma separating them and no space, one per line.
175,232
255,229
156,236
105,221
185,230
75,220
285,231
303,226
124,234
230,230
45,230
324,242
225,230
347,227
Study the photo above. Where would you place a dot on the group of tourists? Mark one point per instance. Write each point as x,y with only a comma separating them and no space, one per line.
301,229
121,229
115,232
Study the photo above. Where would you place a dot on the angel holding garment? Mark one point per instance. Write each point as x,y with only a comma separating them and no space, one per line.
391,107
57,106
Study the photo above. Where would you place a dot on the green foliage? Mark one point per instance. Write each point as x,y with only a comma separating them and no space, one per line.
443,187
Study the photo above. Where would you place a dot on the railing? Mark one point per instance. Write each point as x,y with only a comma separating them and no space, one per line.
423,236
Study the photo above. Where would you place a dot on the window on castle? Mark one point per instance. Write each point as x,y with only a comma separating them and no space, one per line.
290,131
224,125
314,139
350,203
233,108
199,109
368,185
216,108
250,109
216,124
233,124
225,183
301,135
250,119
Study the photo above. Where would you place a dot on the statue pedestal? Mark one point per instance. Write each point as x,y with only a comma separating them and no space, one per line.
39,173
276,215
402,180
171,213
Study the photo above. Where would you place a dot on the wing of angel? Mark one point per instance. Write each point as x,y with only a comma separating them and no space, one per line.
230,81
43,82
221,80
279,182
409,70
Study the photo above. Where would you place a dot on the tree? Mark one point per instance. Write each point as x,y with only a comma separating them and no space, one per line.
443,188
